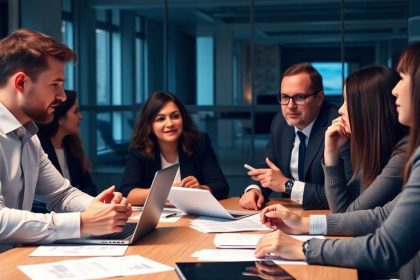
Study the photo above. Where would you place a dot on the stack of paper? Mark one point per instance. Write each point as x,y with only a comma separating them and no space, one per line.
236,240
244,241
209,224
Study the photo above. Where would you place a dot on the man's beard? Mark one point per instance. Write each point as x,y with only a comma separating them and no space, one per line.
38,115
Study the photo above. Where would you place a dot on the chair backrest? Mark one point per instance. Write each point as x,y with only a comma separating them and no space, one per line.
105,129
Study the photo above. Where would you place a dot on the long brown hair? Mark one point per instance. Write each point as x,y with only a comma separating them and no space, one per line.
409,64
375,129
145,140
73,140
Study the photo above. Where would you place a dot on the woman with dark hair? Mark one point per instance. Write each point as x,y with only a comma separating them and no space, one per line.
61,141
389,236
378,142
164,135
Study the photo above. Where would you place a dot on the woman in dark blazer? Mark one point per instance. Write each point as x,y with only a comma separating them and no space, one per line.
61,137
164,135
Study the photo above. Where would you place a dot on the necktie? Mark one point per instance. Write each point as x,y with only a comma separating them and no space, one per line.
302,151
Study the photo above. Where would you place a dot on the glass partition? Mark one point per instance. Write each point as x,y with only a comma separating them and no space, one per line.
224,60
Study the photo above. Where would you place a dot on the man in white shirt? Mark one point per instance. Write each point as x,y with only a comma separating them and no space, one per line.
31,85
296,144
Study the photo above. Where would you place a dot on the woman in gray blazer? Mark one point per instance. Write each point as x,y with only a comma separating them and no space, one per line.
378,143
389,236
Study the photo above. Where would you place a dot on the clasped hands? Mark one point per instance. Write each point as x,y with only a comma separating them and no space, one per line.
278,242
108,213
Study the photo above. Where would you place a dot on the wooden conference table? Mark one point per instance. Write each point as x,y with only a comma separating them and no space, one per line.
175,242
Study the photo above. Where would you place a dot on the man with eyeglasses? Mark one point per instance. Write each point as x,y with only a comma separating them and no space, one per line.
296,145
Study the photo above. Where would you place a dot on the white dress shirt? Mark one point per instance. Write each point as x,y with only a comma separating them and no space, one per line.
299,186
25,170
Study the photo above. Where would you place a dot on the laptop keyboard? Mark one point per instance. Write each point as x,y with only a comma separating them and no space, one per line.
127,231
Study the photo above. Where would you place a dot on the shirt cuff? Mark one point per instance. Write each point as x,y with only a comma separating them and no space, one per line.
68,225
250,187
297,192
317,224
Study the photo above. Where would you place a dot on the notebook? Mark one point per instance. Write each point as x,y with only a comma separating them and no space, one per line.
266,269
202,203
148,219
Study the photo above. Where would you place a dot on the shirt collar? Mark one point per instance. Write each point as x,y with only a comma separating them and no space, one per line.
307,130
10,124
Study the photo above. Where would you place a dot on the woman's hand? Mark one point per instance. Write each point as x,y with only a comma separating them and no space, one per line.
191,182
279,217
278,243
335,137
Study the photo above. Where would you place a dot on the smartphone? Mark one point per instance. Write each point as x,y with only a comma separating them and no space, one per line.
249,167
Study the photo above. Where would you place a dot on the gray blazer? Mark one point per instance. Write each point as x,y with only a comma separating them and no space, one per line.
391,235
352,196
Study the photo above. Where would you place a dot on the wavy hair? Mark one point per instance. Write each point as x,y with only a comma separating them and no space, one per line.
145,140
73,141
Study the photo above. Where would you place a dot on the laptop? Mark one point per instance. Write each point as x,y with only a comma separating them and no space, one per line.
148,219
203,203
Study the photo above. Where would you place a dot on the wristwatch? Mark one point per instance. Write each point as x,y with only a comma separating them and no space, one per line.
305,247
288,186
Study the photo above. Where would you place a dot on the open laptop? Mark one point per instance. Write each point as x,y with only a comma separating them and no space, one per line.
149,217
202,203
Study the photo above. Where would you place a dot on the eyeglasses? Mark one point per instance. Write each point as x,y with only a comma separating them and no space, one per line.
298,99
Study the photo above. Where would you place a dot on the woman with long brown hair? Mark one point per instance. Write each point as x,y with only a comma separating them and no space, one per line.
378,143
164,135
60,139
389,236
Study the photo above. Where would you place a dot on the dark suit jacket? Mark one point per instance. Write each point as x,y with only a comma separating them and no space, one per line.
202,164
79,178
279,149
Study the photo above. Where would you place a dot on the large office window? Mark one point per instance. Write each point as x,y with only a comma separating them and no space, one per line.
67,33
205,69
332,76
108,77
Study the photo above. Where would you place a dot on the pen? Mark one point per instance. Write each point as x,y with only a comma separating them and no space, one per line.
169,215
249,167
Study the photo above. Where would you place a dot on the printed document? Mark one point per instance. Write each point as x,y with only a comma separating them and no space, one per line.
93,268
79,251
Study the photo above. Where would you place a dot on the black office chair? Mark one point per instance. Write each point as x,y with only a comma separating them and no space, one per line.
105,130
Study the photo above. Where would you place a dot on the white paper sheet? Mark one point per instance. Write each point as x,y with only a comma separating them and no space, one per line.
79,251
236,255
208,224
245,240
93,268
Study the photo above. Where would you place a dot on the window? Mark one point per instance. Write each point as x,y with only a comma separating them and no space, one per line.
332,77
108,73
205,70
67,33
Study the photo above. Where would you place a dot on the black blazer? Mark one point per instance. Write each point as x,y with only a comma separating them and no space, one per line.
202,164
279,150
78,177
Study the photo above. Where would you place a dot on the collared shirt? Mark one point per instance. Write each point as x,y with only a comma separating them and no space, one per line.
298,187
26,171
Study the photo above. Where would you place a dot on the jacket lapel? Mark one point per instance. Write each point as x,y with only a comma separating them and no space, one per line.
316,139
